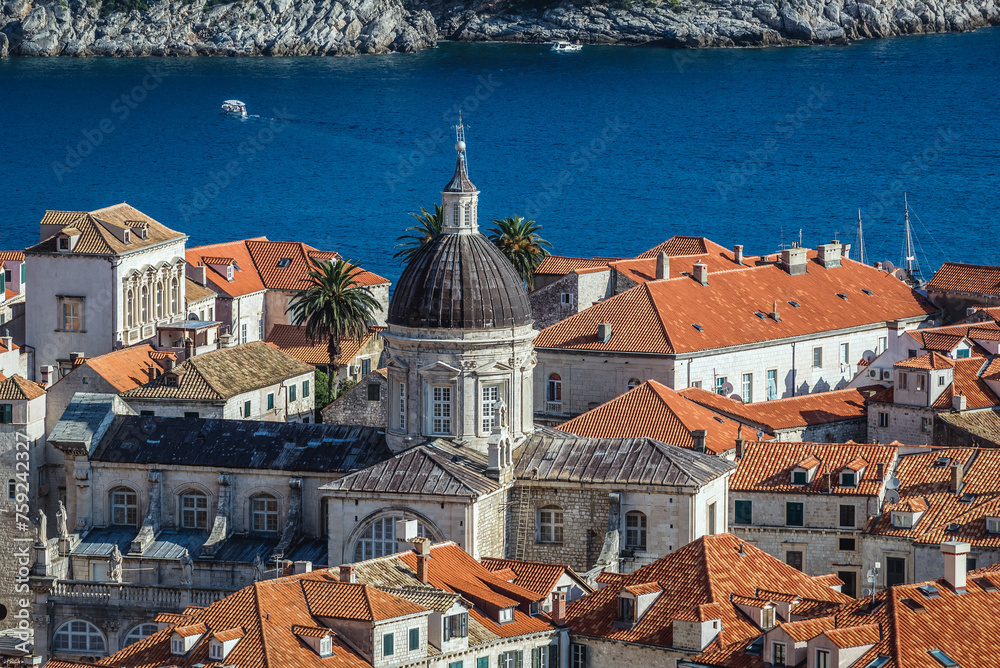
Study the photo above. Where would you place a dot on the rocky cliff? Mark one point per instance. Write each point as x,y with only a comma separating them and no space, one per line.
343,27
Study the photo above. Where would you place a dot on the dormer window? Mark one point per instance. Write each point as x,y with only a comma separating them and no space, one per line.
177,646
64,243
229,272
506,615
284,263
215,650
993,524
799,477
848,479
902,520
626,610
326,647
127,237
767,618
170,380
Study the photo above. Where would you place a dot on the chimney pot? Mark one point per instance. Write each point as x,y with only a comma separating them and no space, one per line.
774,311
956,478
740,444
699,436
794,260
827,482
662,266
347,573
847,251
880,470
302,567
701,273
830,254
954,564
959,402
738,253
558,608
423,549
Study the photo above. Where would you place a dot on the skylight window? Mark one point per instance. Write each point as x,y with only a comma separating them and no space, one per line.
794,303
967,498
930,591
943,658
867,292
842,296
941,461
878,662
718,419
698,327
284,262
985,584
756,648
913,605
952,528
760,315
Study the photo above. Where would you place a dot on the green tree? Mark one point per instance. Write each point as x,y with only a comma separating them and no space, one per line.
428,226
334,305
518,239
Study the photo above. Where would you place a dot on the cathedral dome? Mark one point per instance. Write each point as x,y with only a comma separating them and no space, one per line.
459,281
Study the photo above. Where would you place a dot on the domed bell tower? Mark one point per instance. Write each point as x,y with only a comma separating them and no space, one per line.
459,337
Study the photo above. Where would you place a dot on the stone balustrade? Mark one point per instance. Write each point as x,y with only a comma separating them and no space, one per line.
160,597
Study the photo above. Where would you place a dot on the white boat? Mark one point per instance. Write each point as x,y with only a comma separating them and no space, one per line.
234,107
565,47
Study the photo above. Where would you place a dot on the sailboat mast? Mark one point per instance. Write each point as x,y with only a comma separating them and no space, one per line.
909,241
861,241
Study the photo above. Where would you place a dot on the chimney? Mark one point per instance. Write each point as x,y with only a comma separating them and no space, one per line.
188,348
958,402
794,260
151,372
954,564
422,546
738,253
827,482
663,266
699,436
847,252
701,272
774,311
604,332
196,274
7,342
47,372
347,573
740,444
558,613
168,363
299,567
880,470
830,254
956,478
72,356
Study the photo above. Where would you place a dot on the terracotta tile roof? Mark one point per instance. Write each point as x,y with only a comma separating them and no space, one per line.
535,576
558,265
857,464
222,261
195,293
123,369
222,374
229,634
341,600
606,577
807,629
100,230
802,411
767,467
981,425
681,245
681,315
708,570
931,360
245,281
307,631
292,340
642,269
942,342
970,384
653,410
14,255
809,462
645,588
285,265
970,278
16,388
191,630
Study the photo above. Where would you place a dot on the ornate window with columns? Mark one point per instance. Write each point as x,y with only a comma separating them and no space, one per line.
130,308
159,300
144,306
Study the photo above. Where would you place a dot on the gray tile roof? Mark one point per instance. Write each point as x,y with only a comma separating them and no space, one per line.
85,421
284,446
561,457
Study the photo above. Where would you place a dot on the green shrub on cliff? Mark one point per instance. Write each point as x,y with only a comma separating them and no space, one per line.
109,7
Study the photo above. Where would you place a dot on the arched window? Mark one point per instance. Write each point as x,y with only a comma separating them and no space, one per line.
634,382
554,393
175,305
635,530
139,632
144,305
79,636
379,539
124,507
194,510
130,308
159,300
264,513
550,524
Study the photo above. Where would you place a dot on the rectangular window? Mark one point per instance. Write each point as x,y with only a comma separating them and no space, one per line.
401,417
305,389
911,353
455,626
940,381
191,415
903,378
822,658
925,425
850,579
772,384
883,343
246,409
483,662
847,516
491,394
577,656
72,315
697,384
895,571
817,358
845,353
243,333
260,330
848,479
794,559
711,519
883,419
565,298
540,657
793,514
270,401
414,639
455,664
6,413
747,389
799,477
387,648
778,654
366,366
147,413
291,392
962,353
374,392
513,659
848,545
441,410
744,512
920,382
550,525
720,384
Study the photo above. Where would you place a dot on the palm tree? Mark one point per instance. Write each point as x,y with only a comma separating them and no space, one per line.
335,305
517,238
428,226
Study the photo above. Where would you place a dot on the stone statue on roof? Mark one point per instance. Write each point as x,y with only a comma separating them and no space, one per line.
115,564
258,568
187,568
43,528
61,517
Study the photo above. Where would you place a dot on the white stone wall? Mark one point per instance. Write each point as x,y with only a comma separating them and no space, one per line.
905,424
603,652
243,310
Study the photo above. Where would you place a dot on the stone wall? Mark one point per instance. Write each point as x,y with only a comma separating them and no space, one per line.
356,405
491,528
905,424
585,523
603,653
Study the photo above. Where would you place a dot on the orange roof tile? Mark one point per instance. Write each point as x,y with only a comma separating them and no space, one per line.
644,588
767,467
969,278
13,255
536,576
856,464
681,315
653,410
123,369
292,340
809,462
285,265
229,634
358,601
311,631
224,261
191,630
558,265
245,281
931,360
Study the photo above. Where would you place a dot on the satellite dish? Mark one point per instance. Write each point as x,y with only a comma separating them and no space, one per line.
736,397
892,496
727,389
866,592
869,356
892,483
889,266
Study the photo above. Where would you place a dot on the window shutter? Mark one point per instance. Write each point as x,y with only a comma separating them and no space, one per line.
519,659
465,625
535,658
554,656
446,629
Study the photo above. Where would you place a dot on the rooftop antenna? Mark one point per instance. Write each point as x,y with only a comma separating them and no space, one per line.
862,257
800,237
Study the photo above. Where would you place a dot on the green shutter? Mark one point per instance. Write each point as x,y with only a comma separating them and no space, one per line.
387,648
305,389
483,662
554,656
246,409
414,639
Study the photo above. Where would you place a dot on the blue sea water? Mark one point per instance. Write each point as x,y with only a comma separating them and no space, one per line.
611,149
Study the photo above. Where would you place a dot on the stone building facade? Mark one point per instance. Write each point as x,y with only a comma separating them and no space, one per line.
364,404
